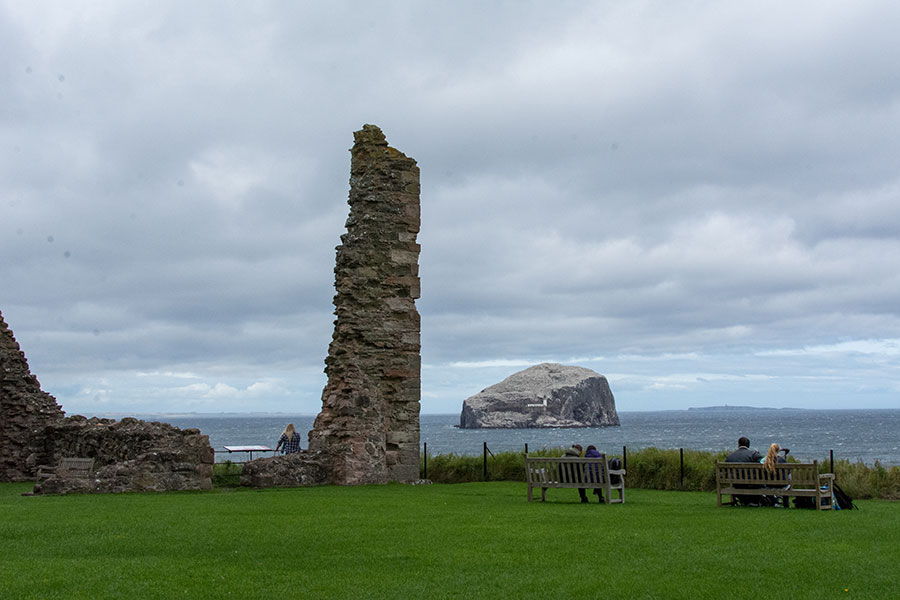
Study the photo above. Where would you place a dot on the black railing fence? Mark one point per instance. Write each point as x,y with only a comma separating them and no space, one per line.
487,454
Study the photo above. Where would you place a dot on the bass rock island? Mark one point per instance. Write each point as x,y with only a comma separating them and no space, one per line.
546,395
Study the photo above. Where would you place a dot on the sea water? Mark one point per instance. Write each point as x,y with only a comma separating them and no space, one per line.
866,435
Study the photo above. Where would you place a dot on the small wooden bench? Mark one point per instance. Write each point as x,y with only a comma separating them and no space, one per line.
789,479
572,472
70,467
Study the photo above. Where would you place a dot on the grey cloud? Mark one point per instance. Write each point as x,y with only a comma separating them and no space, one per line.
597,180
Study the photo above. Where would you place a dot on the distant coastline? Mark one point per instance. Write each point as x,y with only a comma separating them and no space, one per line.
730,407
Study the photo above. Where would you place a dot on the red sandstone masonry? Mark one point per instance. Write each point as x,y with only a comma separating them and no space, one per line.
369,423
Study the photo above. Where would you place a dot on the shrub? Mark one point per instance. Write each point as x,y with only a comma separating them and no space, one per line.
861,481
660,469
227,474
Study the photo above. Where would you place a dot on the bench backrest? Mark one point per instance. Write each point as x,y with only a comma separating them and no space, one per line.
77,467
566,470
795,474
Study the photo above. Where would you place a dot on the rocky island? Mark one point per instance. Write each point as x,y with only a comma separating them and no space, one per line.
546,395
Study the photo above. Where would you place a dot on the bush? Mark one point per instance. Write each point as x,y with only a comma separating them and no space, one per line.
659,469
227,474
861,481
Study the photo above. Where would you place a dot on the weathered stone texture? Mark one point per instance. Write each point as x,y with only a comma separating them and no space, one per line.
24,409
545,395
369,423
129,456
291,470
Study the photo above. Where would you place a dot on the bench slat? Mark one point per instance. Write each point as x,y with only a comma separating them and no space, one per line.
71,466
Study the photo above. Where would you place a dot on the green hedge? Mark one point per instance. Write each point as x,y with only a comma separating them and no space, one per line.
658,469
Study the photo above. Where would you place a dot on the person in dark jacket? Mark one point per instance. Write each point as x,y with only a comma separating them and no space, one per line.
594,470
575,452
745,454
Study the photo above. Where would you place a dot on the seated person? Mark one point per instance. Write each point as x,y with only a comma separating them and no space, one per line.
772,458
575,452
594,471
745,454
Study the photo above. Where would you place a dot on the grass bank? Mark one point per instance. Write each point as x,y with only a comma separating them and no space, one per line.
479,540
657,469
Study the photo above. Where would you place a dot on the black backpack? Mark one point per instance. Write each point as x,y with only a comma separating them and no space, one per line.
844,501
614,465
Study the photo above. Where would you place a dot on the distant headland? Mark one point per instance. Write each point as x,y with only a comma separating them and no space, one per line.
730,407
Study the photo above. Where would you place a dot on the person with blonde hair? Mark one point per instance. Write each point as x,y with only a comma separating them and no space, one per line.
289,442
772,458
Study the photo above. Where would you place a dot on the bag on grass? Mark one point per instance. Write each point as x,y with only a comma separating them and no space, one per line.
844,501
614,465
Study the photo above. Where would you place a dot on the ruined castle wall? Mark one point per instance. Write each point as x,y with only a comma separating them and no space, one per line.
129,455
24,410
369,423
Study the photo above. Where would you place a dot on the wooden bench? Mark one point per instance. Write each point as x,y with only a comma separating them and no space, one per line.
70,467
789,479
572,472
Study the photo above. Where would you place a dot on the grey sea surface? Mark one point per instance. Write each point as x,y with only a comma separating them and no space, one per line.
865,435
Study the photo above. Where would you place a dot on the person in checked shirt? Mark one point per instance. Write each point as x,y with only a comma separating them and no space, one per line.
289,442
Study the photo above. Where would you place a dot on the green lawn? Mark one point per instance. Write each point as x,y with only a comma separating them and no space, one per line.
476,540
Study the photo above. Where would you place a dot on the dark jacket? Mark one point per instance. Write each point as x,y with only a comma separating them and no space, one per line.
744,454
593,470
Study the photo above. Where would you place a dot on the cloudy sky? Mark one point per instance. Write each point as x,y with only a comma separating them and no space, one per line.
699,200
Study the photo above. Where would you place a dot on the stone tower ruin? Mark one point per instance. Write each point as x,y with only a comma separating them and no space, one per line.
24,409
369,423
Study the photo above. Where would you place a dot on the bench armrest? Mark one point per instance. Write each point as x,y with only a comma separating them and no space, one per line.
44,471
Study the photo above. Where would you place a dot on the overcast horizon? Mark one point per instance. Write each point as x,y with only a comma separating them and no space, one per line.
698,200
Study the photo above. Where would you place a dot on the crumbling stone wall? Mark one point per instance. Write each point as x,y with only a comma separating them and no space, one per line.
129,456
24,409
291,470
369,423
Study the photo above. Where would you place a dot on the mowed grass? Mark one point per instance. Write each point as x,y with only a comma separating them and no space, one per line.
475,540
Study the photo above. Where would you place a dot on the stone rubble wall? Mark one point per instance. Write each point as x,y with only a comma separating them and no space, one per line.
290,470
369,423
129,456
24,409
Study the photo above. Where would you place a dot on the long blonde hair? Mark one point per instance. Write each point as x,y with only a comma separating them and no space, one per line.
772,457
289,431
